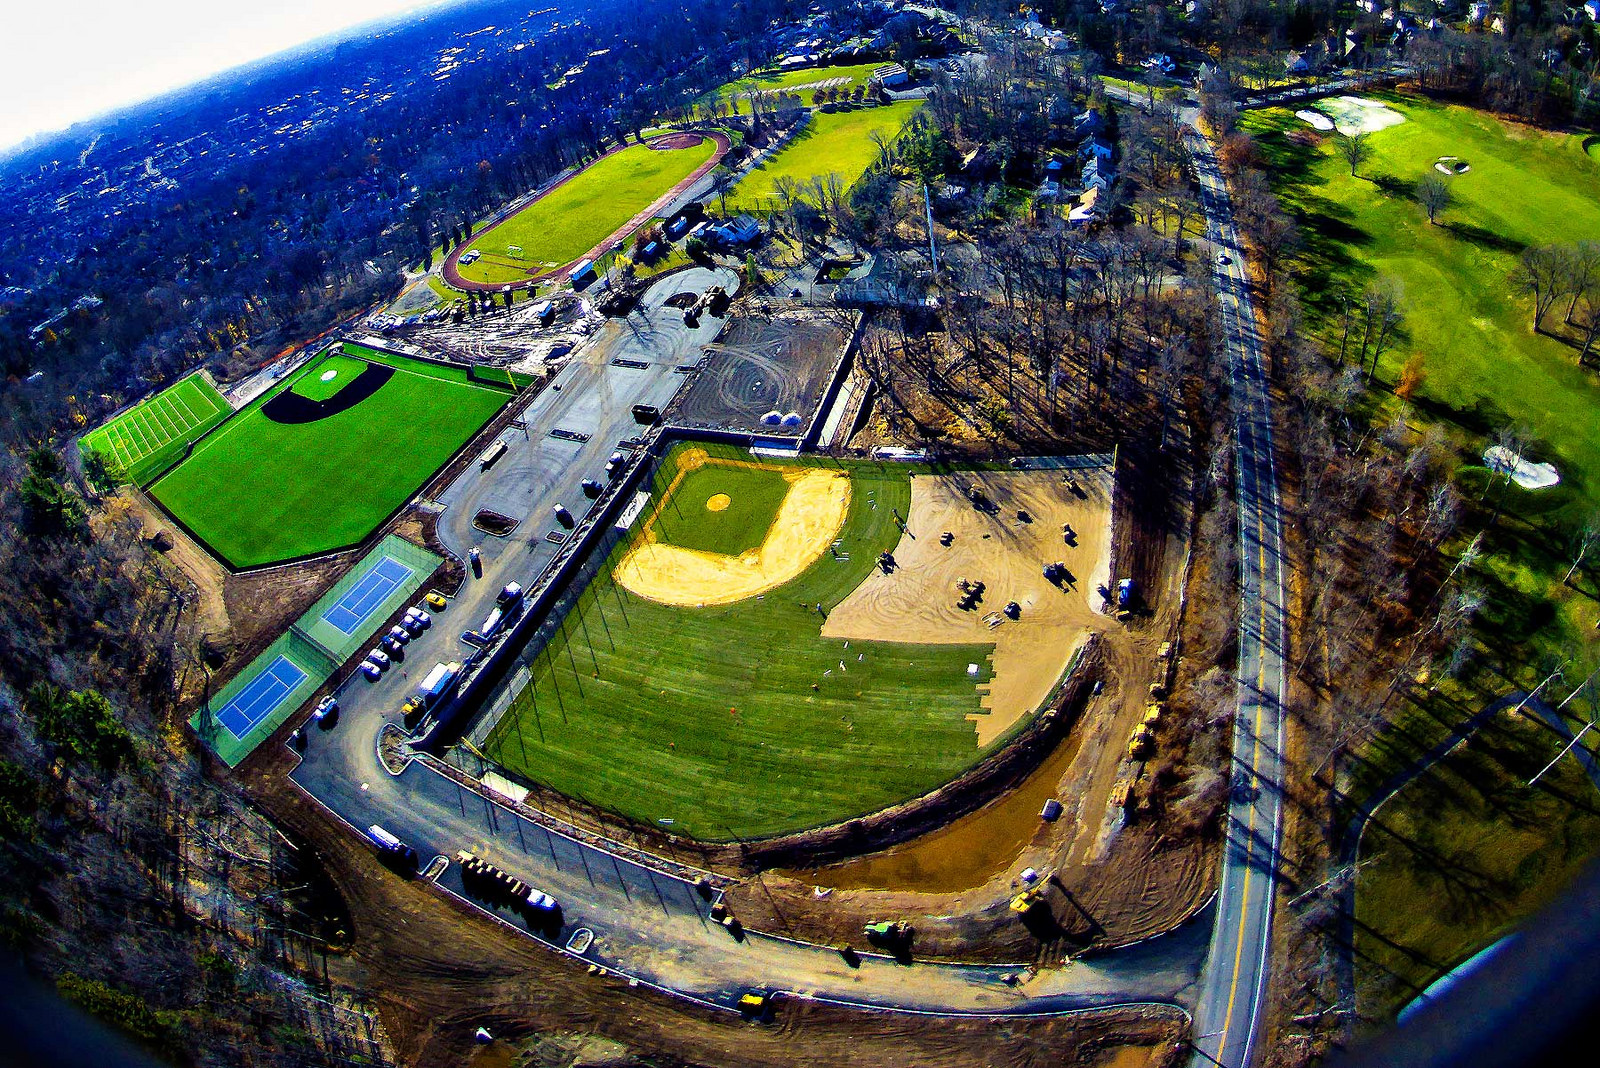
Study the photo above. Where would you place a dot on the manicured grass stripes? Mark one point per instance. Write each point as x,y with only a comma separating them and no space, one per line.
742,720
837,142
257,491
574,217
146,438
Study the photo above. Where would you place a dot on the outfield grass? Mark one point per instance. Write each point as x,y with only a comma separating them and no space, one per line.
708,716
1486,368
259,491
833,142
576,216
144,440
761,81
753,496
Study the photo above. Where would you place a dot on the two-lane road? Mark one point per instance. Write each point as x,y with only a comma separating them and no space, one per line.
1228,1017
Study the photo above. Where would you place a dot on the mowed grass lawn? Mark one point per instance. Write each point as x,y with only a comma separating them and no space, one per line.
720,508
765,81
259,491
1435,889
579,214
833,142
1461,867
142,441
1485,366
742,720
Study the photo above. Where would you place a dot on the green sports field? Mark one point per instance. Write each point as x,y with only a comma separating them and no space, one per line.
850,75
573,218
742,720
831,142
259,491
722,509
145,439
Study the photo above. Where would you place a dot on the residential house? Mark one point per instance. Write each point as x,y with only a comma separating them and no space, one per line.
1087,124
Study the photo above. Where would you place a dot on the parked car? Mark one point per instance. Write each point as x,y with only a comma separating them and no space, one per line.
378,657
424,620
412,627
371,670
399,634
435,601
327,712
389,645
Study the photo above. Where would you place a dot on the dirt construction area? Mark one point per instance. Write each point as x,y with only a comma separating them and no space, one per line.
1022,522
807,521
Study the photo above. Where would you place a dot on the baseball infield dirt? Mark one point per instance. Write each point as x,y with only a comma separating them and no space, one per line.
812,513
1004,542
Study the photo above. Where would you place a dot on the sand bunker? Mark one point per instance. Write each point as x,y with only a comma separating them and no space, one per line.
1355,114
1315,119
1528,475
1451,165
808,521
917,601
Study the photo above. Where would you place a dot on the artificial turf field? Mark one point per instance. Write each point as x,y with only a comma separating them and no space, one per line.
708,716
143,440
257,491
580,213
838,142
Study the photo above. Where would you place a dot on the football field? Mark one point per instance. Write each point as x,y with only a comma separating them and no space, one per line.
146,438
317,463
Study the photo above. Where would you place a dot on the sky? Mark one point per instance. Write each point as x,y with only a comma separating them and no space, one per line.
67,60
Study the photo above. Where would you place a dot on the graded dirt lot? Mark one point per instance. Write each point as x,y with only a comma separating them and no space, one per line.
918,601
807,521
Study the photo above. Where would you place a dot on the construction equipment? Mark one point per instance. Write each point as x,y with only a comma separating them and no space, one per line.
1140,742
1152,713
889,932
1024,902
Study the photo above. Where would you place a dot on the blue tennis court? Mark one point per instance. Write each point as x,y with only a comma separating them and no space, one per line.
260,697
370,591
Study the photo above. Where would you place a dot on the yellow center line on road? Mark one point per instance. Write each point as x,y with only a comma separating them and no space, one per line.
1255,754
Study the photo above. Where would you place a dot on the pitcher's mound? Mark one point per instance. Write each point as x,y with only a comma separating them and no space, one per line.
718,502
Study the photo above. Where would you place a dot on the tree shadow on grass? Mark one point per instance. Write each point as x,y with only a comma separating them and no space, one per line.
1484,238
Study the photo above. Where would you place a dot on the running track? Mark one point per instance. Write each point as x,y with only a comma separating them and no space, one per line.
452,275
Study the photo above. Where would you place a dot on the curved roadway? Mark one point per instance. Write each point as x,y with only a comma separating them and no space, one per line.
648,922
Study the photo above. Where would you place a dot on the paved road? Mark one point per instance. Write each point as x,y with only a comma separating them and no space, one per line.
1227,1017
647,924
